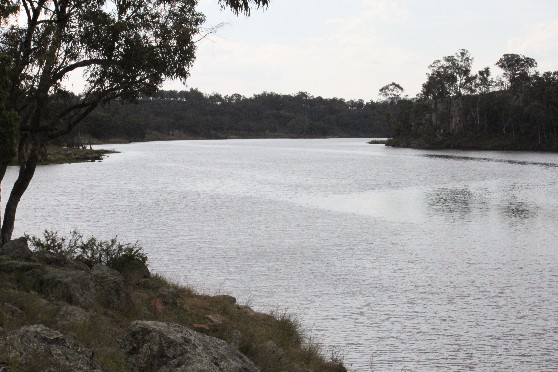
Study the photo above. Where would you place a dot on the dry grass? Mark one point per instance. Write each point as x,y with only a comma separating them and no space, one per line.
274,342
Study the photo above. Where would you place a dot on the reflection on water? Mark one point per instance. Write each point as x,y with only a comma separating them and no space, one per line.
404,261
446,200
518,211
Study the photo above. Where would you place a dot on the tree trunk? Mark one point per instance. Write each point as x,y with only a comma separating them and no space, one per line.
3,168
26,172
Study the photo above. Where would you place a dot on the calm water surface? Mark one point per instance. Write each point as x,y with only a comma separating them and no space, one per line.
396,258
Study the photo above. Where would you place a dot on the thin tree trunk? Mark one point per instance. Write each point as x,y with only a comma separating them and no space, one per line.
26,172
478,116
3,168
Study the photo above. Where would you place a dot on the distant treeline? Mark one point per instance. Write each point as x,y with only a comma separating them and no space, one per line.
458,109
192,114
455,109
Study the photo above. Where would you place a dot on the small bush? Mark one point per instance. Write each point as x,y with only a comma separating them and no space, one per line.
91,251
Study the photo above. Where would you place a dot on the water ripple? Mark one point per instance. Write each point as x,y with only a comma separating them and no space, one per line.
397,260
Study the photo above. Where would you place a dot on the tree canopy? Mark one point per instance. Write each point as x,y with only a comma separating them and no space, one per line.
391,92
122,48
193,114
518,70
8,120
456,108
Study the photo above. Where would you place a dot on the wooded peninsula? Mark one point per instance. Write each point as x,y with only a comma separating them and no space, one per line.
517,110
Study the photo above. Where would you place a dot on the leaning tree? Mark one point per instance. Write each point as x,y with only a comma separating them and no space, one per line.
122,48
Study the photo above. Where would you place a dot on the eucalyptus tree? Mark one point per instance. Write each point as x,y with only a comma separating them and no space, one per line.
482,85
448,81
542,107
391,95
450,76
437,87
518,70
459,67
518,73
391,92
8,122
121,48
438,81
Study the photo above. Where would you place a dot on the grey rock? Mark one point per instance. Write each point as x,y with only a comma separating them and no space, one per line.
72,314
17,249
39,346
77,287
163,347
110,288
9,266
73,286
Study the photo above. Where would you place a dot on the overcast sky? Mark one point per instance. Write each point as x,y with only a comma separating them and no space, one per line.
351,48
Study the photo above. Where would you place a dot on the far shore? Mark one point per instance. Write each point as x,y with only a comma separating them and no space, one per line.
489,143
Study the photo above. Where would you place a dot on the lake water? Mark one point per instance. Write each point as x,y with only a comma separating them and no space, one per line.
394,258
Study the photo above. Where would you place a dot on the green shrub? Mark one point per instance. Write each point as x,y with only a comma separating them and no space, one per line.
91,251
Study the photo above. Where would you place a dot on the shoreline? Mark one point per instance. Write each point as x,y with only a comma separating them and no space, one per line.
113,315
116,141
65,155
495,143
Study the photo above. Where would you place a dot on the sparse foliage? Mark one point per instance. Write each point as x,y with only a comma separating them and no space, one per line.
90,251
242,6
450,76
518,70
391,92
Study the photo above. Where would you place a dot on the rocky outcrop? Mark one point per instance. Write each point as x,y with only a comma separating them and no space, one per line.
96,305
75,287
156,346
37,347
84,288
110,290
72,314
16,249
76,292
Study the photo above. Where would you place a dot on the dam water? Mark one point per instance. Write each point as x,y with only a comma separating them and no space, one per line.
392,258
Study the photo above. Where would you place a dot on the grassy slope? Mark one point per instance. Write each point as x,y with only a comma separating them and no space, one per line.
249,331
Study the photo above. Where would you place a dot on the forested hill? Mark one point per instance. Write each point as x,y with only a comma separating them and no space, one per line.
192,114
456,108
